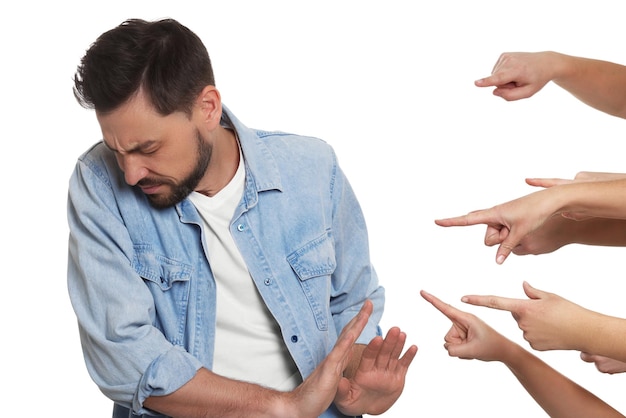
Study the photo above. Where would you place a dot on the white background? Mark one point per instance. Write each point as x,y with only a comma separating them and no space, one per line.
390,86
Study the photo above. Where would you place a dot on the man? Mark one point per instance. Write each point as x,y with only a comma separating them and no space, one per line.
212,267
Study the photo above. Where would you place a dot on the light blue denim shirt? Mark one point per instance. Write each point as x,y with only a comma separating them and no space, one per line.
141,284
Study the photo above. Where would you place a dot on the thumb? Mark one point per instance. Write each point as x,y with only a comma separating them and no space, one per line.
343,390
586,357
546,182
455,350
531,292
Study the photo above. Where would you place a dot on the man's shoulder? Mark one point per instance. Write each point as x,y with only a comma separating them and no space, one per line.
275,139
99,162
96,152
280,140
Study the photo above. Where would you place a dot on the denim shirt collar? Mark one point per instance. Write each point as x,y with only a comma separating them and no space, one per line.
262,172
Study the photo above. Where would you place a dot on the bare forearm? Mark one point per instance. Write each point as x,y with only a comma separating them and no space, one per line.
210,395
598,231
599,84
555,393
603,199
603,337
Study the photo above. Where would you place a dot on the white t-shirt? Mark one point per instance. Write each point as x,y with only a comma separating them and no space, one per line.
248,341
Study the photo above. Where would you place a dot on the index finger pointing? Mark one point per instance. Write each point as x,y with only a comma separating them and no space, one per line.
448,310
498,78
494,302
473,218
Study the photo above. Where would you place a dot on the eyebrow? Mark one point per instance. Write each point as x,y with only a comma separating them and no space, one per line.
137,148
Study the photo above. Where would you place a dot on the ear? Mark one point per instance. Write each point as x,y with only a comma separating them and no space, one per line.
209,105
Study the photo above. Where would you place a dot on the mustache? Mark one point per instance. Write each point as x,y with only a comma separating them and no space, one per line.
149,182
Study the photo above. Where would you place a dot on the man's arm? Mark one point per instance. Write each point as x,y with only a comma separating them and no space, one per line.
208,395
376,376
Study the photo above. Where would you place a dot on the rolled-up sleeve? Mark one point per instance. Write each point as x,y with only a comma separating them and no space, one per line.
176,367
126,355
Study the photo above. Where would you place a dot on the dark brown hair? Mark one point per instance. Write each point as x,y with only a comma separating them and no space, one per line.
164,58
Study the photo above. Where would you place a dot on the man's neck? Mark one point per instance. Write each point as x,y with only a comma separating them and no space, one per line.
223,164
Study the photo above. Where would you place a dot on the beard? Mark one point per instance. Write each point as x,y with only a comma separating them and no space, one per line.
180,190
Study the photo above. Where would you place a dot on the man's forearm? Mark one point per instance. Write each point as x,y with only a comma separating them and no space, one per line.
208,395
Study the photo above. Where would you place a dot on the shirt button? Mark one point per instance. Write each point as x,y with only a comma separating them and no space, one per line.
267,281
294,338
241,227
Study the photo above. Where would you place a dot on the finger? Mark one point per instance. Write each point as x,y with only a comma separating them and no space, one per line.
357,324
586,357
456,350
455,334
493,302
499,62
396,342
351,332
384,355
408,357
491,81
473,218
504,250
514,91
533,293
546,182
392,349
448,310
370,354
510,241
495,235
589,175
496,79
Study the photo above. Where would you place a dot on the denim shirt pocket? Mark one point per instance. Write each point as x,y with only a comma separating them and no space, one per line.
169,282
314,264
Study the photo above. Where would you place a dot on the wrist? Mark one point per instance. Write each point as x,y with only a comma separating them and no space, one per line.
511,354
562,66
281,404
600,336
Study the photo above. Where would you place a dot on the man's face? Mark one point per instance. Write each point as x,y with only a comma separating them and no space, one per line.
166,156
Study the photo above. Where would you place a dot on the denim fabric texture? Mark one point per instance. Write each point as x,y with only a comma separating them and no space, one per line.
141,284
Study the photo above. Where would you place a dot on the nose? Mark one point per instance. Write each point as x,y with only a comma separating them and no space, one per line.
132,167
